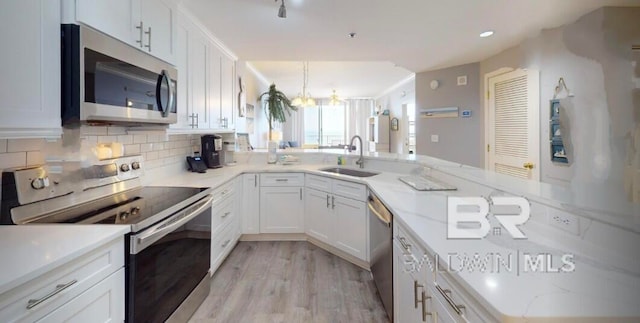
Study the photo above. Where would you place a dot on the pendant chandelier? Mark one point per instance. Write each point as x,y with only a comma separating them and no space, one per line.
334,99
304,99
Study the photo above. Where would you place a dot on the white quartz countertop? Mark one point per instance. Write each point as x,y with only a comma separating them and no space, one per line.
593,290
28,251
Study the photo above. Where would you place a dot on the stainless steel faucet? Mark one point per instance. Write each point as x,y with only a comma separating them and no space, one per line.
360,160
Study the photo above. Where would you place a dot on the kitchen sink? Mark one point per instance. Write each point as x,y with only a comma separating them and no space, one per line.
348,171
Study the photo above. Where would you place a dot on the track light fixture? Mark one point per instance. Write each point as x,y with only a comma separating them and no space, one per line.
282,12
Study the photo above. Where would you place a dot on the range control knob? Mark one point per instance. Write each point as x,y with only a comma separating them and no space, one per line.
124,167
40,183
124,215
135,165
135,211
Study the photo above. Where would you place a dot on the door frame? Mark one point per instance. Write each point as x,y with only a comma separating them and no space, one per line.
487,106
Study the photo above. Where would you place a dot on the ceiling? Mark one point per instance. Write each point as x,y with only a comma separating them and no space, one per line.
393,38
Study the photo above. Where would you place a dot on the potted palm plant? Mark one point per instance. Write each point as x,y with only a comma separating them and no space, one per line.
277,105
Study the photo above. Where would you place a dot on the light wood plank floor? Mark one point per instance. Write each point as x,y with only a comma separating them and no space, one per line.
289,281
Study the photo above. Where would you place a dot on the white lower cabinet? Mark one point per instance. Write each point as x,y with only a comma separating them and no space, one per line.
408,289
281,210
336,214
352,230
319,221
250,209
104,302
87,288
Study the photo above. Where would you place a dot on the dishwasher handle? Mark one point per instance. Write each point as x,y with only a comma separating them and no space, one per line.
372,207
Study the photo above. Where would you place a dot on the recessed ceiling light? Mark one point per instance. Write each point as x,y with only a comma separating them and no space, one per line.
486,33
352,35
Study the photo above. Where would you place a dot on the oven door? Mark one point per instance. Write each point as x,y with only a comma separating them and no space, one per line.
167,261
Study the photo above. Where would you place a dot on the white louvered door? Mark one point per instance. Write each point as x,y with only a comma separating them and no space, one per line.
514,125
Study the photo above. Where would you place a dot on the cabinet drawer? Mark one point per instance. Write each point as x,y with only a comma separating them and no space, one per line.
282,179
427,269
470,312
222,242
48,292
222,212
320,183
351,190
221,193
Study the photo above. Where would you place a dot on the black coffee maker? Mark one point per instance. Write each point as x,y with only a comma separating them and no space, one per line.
211,148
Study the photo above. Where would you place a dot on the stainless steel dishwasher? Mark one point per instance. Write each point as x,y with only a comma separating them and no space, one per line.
381,250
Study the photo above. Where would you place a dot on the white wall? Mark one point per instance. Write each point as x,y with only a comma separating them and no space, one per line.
254,86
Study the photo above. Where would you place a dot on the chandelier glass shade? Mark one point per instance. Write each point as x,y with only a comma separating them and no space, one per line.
304,99
334,99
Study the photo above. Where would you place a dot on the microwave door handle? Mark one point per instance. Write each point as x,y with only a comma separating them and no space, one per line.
164,77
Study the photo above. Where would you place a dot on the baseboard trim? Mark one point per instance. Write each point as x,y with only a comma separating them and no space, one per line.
303,237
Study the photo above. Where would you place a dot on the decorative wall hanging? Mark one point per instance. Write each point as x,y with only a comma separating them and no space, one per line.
394,124
242,99
449,112
559,152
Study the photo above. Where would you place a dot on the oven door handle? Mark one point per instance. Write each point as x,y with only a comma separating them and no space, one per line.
155,233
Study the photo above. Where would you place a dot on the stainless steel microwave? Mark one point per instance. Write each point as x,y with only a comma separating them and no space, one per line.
105,80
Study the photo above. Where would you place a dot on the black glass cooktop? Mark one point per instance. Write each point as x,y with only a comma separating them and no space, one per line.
128,207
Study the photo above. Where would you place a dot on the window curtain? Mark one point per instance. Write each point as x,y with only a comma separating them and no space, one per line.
358,113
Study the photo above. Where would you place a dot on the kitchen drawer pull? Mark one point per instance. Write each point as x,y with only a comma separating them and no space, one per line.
282,179
226,214
333,202
328,201
446,293
34,302
415,293
226,243
424,306
404,243
255,180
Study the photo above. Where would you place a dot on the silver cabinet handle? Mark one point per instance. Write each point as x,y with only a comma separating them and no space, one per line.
424,306
328,201
34,302
255,180
404,243
282,179
226,243
148,45
225,214
301,194
415,293
141,28
333,202
446,293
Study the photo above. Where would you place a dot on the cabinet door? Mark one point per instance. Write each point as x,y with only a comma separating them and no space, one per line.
159,19
404,291
112,17
214,87
351,227
103,302
30,65
319,219
182,60
227,76
198,63
281,210
251,208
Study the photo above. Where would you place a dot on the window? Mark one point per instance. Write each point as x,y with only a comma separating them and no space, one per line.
325,125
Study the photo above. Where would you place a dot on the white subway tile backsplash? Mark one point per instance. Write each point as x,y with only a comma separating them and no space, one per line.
139,139
125,139
157,138
3,146
146,147
107,139
152,155
158,146
93,130
131,149
151,164
10,160
115,131
163,153
35,158
17,145
177,137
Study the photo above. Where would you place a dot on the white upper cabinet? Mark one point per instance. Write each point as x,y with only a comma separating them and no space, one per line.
159,22
149,25
227,86
30,65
